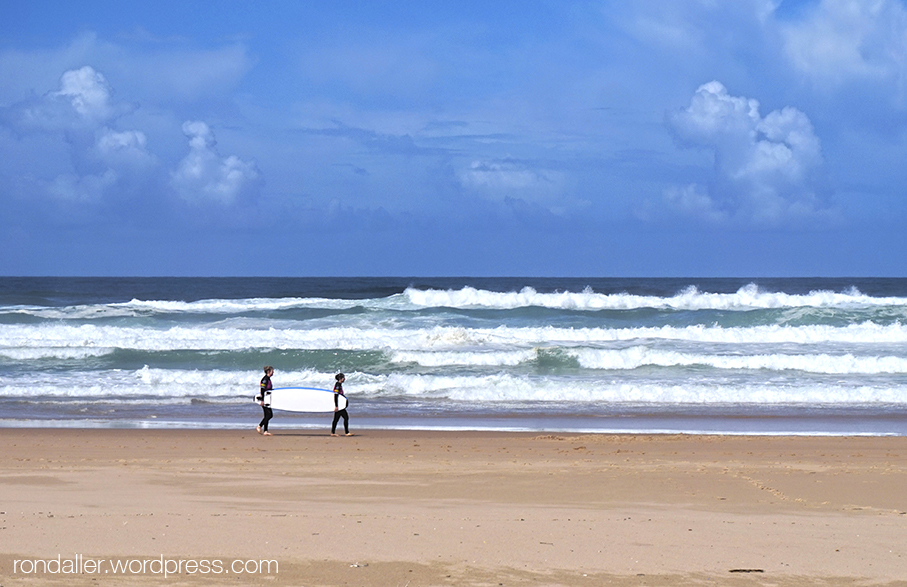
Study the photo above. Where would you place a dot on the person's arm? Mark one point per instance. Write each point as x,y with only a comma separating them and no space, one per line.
266,387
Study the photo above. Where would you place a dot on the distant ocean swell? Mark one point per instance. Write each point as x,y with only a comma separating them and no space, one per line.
495,351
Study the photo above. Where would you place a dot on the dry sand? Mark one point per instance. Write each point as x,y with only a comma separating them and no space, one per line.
415,508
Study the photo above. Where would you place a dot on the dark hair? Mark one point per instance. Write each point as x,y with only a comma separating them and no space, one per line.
268,368
339,376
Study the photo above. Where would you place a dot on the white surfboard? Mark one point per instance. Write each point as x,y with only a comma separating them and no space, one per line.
303,399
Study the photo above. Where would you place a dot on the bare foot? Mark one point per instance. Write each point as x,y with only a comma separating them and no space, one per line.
332,434
258,429
349,433
266,433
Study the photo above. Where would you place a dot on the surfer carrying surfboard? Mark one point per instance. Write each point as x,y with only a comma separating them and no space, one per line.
340,413
266,388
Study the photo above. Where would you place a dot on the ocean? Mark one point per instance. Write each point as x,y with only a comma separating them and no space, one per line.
803,356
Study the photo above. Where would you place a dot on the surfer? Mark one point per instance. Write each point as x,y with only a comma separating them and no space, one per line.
338,413
266,387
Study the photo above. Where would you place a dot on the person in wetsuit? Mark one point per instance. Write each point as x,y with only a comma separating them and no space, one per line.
338,413
266,388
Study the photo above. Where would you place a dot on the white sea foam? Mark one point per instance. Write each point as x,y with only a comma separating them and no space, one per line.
180,386
177,384
64,353
746,298
500,387
484,359
136,308
640,356
16,338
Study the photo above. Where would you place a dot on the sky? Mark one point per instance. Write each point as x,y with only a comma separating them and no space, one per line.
509,138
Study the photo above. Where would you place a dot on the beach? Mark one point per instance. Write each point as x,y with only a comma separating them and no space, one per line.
399,507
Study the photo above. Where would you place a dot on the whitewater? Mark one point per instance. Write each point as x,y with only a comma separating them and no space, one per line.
748,356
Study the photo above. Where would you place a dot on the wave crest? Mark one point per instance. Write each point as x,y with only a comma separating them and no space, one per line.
748,297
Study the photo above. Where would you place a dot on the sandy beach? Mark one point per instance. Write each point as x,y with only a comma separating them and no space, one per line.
395,508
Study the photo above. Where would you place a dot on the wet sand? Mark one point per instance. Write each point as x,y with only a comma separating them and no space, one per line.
396,508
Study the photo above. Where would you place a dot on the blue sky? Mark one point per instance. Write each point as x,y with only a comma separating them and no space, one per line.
645,138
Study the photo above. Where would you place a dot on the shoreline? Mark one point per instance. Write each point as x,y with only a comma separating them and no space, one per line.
421,507
315,428
838,423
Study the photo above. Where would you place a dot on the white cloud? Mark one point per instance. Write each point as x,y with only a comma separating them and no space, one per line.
767,170
106,161
87,188
150,69
114,164
185,75
505,178
82,112
125,149
82,103
88,92
500,175
693,200
204,176
839,40
679,25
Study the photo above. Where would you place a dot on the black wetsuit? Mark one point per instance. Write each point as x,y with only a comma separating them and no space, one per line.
338,391
265,388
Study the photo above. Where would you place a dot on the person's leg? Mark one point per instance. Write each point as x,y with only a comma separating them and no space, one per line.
264,421
337,415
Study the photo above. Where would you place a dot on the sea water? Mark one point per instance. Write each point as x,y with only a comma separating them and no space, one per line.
748,356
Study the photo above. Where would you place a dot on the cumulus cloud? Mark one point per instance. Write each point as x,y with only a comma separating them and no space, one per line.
106,161
83,112
88,93
123,150
693,200
204,176
84,101
113,164
767,170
